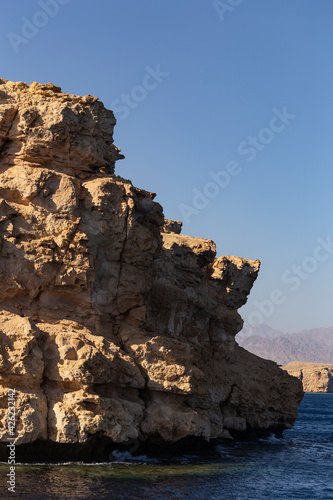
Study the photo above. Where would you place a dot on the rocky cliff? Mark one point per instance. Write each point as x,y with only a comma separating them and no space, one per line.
315,377
114,326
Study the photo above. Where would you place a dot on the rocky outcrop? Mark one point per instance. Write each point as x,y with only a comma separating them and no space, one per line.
315,377
113,324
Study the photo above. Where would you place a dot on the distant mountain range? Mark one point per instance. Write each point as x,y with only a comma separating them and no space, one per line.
313,346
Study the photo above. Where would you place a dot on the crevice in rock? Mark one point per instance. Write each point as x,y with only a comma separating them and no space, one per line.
123,245
6,135
4,147
41,345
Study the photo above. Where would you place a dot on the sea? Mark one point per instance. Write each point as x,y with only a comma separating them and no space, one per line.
297,466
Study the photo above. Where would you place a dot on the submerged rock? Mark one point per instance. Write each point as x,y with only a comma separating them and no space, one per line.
113,325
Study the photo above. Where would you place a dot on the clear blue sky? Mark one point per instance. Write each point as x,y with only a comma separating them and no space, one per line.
223,74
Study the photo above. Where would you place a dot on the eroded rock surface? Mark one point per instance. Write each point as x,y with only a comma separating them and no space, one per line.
315,377
113,323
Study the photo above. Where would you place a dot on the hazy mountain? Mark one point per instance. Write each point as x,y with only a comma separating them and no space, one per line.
313,346
260,330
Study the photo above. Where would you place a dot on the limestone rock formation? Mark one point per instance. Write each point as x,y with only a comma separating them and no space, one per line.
315,377
113,324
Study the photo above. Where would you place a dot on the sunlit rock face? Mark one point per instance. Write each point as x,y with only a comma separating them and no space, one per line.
315,377
113,324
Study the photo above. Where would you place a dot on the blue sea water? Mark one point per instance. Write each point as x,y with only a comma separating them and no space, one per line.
297,466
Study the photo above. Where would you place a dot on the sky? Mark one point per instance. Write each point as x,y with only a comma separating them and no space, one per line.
224,109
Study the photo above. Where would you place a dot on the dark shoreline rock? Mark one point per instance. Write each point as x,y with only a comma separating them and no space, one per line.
101,449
